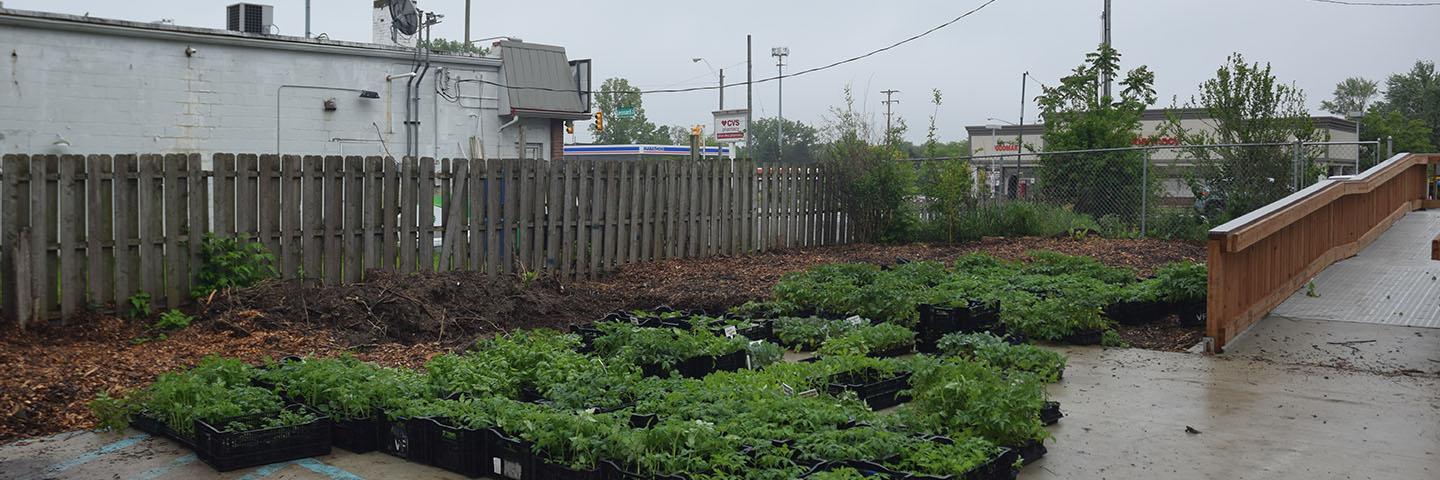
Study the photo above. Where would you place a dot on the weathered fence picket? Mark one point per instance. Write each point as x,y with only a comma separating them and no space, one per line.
97,229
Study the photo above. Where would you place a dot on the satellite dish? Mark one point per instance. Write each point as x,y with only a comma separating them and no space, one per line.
404,16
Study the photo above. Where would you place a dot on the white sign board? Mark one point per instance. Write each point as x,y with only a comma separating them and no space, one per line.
731,125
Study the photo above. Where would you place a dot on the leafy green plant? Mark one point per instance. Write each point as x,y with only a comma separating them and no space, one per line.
231,262
996,352
868,339
961,398
344,388
1111,338
172,320
216,389
810,332
665,347
936,458
139,305
1182,282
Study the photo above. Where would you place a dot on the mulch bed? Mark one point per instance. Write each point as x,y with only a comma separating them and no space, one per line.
404,320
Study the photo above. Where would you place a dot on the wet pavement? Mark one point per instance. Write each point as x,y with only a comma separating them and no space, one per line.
1266,414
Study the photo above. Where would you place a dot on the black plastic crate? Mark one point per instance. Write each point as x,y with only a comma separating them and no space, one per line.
897,351
615,471
226,451
1030,451
507,456
1192,314
155,426
867,469
1050,413
404,438
1137,313
456,449
1085,337
549,471
878,394
730,362
357,435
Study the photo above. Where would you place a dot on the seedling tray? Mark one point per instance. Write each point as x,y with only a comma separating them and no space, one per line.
614,471
456,449
1192,314
1087,337
226,451
155,426
867,469
878,394
358,436
1136,313
1030,451
548,471
404,438
508,457
1050,413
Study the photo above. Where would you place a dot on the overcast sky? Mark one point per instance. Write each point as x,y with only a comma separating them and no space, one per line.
976,62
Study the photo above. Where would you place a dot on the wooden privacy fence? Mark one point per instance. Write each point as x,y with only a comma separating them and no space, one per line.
1260,259
91,230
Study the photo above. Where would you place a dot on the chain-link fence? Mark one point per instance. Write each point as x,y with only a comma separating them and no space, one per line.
1171,191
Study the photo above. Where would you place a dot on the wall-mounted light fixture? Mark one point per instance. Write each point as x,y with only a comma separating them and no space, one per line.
369,94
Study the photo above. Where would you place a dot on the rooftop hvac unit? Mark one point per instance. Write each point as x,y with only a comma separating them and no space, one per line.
249,18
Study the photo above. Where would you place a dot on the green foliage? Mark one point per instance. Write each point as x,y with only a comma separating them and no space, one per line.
1415,95
1351,95
285,418
344,388
665,347
1407,134
216,389
878,187
441,45
868,339
613,94
1079,117
801,141
763,354
809,333
1184,281
1022,219
948,188
1247,105
139,305
231,262
172,320
1044,262
1112,339
962,398
996,352
964,455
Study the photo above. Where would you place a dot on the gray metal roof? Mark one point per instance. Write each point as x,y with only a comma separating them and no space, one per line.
540,81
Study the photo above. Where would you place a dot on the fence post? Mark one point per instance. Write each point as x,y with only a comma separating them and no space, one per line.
1144,192
1389,147
1295,171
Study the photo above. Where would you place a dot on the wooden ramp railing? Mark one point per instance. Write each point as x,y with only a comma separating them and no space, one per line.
1260,259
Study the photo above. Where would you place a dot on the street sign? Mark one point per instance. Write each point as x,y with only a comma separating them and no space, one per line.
625,112
730,125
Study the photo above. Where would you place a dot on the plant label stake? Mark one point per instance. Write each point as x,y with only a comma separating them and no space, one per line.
730,331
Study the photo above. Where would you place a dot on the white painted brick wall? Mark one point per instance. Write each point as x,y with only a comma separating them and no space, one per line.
111,93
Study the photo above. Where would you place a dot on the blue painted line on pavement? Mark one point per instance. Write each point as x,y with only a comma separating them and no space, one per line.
94,454
331,471
267,470
160,471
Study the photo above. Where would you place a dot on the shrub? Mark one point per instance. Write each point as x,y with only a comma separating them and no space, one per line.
231,262
1024,219
172,320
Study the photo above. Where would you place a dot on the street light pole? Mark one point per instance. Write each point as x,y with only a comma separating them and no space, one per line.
780,53
749,93
467,22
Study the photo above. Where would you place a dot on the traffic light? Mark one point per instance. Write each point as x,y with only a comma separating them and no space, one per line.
570,127
599,121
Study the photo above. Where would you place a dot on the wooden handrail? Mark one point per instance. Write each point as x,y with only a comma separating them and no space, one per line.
1435,248
1258,260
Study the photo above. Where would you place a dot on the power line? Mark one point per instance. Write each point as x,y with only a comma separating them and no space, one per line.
771,79
1378,4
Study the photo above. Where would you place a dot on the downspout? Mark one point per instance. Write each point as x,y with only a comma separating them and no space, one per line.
501,132
406,122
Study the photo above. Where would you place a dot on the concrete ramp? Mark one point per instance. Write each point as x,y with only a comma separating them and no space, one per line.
1393,281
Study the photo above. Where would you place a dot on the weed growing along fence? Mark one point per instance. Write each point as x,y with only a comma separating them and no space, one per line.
94,230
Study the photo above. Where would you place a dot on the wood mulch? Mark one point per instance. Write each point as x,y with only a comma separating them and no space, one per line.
53,372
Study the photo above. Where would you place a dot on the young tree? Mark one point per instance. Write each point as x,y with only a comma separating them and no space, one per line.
1351,95
1246,105
946,183
1079,116
800,141
1409,134
1415,95
876,188
616,93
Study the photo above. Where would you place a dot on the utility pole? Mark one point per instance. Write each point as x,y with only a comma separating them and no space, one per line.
467,22
888,101
1105,39
780,53
307,18
1020,141
722,89
749,94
